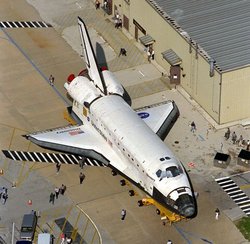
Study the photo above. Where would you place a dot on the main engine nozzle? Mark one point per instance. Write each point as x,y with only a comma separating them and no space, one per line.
70,78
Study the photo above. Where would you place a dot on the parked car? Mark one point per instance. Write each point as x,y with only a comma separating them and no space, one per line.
28,226
23,242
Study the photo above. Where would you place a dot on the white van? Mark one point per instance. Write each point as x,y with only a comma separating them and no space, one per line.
44,238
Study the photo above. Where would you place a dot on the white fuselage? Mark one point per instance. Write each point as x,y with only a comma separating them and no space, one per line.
148,160
136,151
131,138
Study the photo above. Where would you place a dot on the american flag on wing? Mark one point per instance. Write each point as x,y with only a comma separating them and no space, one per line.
76,132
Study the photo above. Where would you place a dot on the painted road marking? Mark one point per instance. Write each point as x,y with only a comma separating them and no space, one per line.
235,193
49,158
24,24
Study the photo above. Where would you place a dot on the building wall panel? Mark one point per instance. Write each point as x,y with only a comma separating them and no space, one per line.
235,96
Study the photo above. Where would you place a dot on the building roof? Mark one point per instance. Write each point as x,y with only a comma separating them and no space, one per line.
171,57
146,40
220,28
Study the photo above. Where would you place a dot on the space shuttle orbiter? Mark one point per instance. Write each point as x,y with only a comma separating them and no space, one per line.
112,134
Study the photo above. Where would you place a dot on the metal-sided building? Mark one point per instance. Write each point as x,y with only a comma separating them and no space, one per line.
205,46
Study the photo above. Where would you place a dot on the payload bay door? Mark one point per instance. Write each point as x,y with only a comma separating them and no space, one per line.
175,75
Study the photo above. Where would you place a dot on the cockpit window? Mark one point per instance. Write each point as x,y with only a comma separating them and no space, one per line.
158,173
169,172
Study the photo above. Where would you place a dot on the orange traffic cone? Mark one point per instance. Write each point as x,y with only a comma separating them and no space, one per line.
29,202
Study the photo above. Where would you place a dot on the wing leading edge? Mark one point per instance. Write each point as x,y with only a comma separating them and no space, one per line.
80,140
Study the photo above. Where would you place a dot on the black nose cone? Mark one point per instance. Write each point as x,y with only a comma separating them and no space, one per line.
188,211
186,205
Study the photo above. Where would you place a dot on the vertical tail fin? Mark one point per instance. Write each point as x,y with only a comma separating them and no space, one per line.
90,58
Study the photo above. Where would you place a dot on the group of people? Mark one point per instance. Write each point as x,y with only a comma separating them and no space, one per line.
81,175
65,239
150,53
98,4
240,141
118,21
54,195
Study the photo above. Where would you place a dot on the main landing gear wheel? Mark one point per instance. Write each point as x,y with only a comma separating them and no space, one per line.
113,173
140,203
122,182
131,193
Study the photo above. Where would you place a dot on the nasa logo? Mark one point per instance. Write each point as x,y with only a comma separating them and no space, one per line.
143,115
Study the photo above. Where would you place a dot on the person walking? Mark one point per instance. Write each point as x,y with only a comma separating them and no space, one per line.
68,239
123,52
105,4
51,80
149,56
62,238
81,162
123,214
57,192
217,213
116,23
248,145
119,23
97,4
153,54
193,127
227,134
4,197
240,140
81,177
62,189
52,198
58,166
207,133
234,137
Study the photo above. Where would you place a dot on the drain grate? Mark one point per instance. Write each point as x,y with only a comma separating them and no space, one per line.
68,230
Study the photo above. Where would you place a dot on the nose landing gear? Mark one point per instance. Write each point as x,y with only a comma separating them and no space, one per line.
166,215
